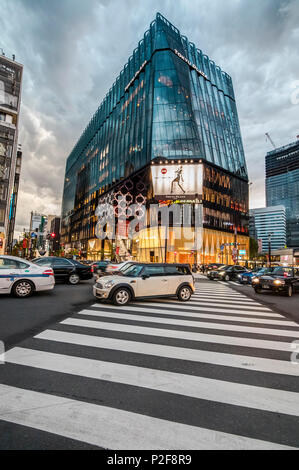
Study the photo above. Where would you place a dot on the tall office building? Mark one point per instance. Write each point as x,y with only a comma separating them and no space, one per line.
10,98
269,221
167,132
282,186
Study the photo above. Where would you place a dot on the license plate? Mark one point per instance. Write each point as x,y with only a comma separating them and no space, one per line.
266,287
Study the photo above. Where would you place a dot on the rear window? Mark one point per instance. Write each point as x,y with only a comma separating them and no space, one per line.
177,270
8,263
42,261
280,271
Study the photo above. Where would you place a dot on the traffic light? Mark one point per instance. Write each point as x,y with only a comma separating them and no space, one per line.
53,235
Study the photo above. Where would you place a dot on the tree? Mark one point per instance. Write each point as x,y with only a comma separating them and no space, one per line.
253,248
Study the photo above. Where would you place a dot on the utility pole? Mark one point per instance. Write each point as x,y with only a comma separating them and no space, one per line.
269,247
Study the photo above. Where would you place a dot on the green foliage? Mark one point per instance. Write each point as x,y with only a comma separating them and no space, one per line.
253,248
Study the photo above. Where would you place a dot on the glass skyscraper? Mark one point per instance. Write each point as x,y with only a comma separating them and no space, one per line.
170,105
270,221
282,186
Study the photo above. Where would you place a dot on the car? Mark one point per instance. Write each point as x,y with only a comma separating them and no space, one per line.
246,278
227,273
211,272
281,279
86,261
146,280
213,267
22,278
65,269
114,267
99,266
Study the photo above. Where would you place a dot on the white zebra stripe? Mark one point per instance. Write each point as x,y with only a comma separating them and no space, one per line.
152,349
267,399
174,321
142,307
250,362
112,428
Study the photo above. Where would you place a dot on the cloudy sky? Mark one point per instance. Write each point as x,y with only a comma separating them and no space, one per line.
72,51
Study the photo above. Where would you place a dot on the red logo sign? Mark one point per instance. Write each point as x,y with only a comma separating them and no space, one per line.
164,171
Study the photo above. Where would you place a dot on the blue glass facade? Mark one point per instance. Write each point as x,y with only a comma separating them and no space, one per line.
170,101
282,186
270,220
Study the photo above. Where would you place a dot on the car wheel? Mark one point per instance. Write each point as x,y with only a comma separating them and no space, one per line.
258,290
74,279
184,293
289,292
23,289
121,296
226,277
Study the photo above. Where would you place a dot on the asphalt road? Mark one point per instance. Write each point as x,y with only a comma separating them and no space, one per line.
213,373
23,318
287,306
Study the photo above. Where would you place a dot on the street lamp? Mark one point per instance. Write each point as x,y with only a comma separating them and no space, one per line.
269,247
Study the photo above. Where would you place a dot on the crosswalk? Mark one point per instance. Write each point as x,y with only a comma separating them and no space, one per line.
212,373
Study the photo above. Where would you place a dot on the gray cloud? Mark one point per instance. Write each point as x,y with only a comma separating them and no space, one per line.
73,50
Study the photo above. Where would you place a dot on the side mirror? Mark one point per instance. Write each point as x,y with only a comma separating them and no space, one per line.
145,276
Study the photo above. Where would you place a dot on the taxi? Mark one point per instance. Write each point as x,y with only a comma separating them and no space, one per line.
21,277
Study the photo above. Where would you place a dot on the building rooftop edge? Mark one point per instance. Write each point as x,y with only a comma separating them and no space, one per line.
269,208
2,56
284,147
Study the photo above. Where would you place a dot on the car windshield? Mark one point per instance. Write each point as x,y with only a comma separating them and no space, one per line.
267,270
125,267
133,270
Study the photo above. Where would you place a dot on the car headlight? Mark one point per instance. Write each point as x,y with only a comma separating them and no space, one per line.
278,282
239,276
108,284
255,280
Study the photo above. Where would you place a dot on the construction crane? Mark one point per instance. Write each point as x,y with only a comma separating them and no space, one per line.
269,138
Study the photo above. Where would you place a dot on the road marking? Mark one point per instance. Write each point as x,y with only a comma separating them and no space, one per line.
203,325
174,321
253,363
112,428
207,298
171,352
185,305
188,313
267,399
191,304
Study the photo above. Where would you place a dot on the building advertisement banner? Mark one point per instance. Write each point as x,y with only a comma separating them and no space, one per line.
177,181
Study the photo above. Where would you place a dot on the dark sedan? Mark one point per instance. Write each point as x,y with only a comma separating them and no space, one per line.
226,273
281,279
65,269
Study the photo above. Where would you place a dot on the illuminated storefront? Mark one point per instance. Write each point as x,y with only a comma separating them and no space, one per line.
167,133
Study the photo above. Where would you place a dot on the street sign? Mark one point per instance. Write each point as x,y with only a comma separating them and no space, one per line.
242,252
